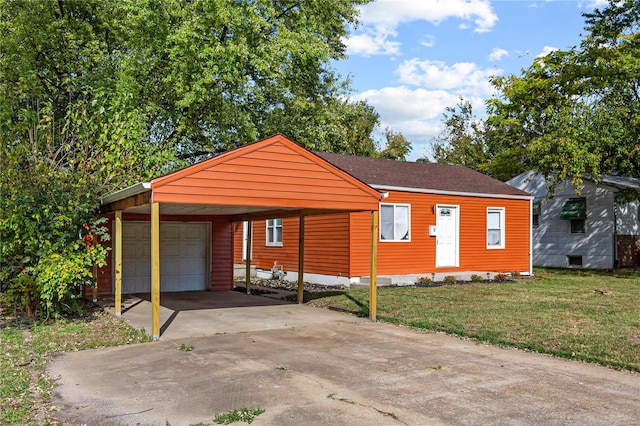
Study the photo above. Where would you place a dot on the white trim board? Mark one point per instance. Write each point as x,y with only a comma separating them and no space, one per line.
441,192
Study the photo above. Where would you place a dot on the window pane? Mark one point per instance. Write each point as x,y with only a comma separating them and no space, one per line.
278,235
402,223
278,222
493,237
493,220
269,235
386,222
577,226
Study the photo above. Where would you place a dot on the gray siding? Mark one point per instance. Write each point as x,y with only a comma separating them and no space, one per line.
553,241
628,219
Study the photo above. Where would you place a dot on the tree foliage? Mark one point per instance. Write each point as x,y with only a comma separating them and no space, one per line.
397,147
576,113
98,94
572,114
466,140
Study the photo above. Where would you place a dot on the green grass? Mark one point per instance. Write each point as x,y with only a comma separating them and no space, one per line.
25,348
244,414
591,316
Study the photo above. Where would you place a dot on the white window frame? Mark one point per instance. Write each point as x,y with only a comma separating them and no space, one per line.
395,239
274,224
245,234
536,223
501,245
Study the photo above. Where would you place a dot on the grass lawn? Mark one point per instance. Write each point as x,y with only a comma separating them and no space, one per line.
583,315
25,348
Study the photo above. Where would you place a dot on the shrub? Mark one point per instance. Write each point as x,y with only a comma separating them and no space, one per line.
501,277
424,280
450,279
54,282
24,294
476,278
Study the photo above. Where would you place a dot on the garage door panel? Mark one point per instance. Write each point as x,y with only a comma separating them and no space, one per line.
171,231
193,249
171,249
192,267
183,256
194,233
170,267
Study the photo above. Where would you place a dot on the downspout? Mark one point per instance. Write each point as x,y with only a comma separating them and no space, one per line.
615,234
531,236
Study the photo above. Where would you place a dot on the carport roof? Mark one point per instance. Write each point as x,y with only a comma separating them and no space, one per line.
268,178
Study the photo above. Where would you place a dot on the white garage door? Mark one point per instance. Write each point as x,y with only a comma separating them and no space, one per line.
183,256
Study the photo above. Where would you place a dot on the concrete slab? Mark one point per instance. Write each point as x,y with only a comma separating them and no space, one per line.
327,368
205,313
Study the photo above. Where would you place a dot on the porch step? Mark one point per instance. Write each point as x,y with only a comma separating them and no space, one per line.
364,282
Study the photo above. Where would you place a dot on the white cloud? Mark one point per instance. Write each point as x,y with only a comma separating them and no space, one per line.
598,4
416,113
381,19
428,40
399,104
497,54
546,50
462,77
392,13
373,42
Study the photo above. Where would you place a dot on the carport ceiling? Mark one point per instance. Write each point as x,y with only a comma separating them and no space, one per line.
202,209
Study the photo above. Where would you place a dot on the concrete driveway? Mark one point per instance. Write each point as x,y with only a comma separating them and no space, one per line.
206,313
318,367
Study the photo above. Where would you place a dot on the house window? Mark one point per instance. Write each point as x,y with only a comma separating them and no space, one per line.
395,222
577,226
274,232
575,211
535,216
495,228
574,260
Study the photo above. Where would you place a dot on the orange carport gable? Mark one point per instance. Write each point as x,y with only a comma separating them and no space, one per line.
274,172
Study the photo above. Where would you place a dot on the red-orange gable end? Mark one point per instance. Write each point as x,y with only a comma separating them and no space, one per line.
274,173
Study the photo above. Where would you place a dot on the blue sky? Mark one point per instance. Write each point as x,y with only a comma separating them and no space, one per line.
411,59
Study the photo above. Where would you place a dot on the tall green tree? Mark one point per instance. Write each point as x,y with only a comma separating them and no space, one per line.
576,112
466,140
397,147
462,141
98,94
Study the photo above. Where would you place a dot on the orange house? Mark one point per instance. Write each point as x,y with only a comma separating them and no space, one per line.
435,220
175,233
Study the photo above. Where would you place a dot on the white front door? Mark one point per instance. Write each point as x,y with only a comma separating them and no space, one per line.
447,225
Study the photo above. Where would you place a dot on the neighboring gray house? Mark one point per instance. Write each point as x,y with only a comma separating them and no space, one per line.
590,230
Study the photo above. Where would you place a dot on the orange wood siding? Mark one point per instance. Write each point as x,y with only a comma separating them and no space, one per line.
237,242
418,255
221,253
271,173
286,255
326,252
326,245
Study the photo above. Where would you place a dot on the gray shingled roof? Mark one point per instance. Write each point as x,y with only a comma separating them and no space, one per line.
425,176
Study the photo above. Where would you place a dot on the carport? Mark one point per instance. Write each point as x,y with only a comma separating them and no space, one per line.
269,179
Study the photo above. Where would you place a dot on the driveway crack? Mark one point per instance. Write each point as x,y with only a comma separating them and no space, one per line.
384,413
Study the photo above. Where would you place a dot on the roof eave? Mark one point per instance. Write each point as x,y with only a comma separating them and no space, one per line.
130,191
458,193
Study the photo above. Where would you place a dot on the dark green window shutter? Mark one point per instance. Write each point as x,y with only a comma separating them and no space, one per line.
575,208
